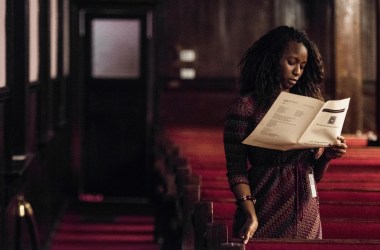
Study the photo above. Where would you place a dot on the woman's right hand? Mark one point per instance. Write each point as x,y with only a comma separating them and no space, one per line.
247,207
249,228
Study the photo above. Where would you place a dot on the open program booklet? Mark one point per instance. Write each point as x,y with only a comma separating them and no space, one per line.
295,122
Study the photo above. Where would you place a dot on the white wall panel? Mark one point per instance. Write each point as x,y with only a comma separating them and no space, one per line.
2,44
66,37
53,38
34,59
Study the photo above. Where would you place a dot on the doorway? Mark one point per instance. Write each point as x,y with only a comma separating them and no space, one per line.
117,103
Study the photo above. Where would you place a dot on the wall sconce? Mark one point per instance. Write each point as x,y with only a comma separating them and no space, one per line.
187,58
187,55
187,73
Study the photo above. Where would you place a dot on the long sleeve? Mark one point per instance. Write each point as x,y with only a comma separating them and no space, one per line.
236,129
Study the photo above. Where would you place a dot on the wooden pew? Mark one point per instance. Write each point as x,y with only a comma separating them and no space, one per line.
325,195
284,244
217,234
199,148
342,233
224,210
363,215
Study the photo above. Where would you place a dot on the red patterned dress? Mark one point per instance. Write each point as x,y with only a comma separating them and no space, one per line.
279,180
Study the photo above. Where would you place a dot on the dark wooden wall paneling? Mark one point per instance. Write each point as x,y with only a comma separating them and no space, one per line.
18,72
369,63
319,17
219,31
33,124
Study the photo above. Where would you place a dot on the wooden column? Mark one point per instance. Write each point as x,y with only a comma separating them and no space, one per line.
348,66
377,109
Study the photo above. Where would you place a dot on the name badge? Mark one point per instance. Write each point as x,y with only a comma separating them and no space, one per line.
313,188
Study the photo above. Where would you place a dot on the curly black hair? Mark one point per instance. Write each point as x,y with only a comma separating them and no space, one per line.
260,68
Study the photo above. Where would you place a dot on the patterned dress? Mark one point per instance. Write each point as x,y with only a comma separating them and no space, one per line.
279,180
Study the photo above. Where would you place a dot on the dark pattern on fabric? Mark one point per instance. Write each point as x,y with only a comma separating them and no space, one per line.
278,179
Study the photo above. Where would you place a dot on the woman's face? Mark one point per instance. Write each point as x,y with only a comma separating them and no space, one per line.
292,64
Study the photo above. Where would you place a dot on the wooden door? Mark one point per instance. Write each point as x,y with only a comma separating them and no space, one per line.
117,103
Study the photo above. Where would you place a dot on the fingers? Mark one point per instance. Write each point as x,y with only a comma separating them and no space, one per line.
340,144
341,138
246,237
248,230
338,149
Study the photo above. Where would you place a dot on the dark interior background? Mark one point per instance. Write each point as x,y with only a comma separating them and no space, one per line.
45,146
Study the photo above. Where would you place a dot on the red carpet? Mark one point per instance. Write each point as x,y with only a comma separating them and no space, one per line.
100,226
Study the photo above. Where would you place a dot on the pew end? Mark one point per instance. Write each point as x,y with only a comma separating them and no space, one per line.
217,236
232,246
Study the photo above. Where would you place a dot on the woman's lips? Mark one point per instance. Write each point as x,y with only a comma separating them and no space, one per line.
292,81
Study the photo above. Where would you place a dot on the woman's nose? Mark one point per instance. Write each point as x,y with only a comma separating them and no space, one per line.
297,70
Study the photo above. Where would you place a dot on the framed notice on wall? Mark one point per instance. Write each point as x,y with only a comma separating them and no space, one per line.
34,61
2,44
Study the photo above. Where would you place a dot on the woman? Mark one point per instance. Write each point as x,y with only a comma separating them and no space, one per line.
274,190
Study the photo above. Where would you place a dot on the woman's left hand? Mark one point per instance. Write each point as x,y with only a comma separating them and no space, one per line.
337,149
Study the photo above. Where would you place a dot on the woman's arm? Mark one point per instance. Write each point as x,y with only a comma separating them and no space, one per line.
321,166
236,128
247,206
336,150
